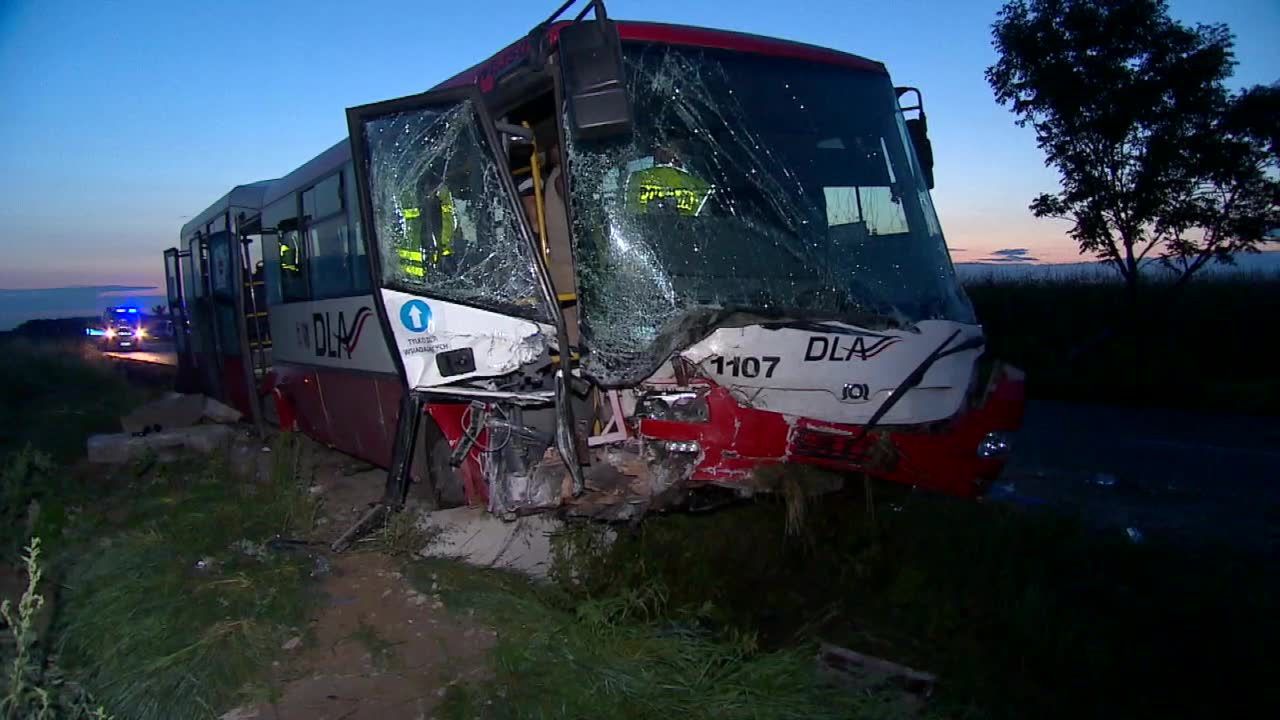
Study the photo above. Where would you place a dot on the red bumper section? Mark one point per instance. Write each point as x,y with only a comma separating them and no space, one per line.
941,456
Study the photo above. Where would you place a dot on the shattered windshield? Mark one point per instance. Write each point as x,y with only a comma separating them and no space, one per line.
443,224
751,184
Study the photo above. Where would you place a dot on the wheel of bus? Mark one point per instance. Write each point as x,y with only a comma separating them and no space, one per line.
432,474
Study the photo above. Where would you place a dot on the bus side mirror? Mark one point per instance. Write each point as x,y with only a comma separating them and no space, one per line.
918,131
591,63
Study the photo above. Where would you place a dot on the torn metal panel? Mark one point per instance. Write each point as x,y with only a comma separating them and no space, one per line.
426,329
443,222
751,186
629,479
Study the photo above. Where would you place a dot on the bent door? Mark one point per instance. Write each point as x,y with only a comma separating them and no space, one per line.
464,293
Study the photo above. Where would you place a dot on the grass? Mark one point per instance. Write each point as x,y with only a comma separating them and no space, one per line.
34,685
381,650
177,615
402,536
172,600
1201,347
1021,615
57,393
626,656
54,396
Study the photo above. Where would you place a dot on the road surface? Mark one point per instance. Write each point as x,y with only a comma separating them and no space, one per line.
1191,477
157,352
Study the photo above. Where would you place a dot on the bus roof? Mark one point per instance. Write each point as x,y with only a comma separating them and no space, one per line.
485,72
248,197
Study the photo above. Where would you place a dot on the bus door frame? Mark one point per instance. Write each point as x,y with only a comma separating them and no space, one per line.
239,228
175,289
233,296
403,448
207,359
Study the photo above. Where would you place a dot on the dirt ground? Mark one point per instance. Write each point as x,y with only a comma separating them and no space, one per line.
376,649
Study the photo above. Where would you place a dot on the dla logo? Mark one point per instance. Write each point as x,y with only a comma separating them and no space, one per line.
415,315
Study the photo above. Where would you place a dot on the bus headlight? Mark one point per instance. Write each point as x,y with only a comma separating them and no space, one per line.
673,406
110,333
142,333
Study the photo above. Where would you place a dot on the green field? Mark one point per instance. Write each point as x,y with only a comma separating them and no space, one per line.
129,618
1205,346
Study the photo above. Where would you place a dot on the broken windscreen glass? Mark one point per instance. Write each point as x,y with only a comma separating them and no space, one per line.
755,186
444,224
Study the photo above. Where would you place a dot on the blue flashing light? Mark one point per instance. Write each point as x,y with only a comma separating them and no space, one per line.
94,332
133,310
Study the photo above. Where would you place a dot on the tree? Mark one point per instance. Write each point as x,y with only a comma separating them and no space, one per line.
160,310
1159,161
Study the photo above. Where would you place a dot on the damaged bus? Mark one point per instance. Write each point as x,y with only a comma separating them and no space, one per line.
617,267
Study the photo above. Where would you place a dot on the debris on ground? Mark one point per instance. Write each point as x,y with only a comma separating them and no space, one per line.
249,548
475,537
166,428
170,412
215,411
240,713
176,410
164,445
867,672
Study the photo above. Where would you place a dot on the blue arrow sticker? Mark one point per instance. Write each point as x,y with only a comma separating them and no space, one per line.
415,315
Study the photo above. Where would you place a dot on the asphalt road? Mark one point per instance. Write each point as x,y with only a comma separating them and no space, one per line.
1189,477
157,352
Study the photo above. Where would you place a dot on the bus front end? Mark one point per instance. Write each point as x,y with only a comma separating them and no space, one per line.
760,266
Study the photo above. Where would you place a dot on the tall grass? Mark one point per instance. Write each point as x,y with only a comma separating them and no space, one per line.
172,617
164,612
1204,346
34,686
52,397
1021,615
55,394
626,657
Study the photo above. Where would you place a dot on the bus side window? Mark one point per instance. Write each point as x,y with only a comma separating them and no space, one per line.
328,251
361,277
283,255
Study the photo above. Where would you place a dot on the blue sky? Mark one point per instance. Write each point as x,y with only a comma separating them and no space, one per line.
121,119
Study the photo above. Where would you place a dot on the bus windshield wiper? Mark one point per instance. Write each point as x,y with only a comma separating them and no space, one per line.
915,377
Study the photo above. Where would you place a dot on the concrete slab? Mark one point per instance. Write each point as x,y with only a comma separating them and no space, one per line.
473,536
165,445
171,412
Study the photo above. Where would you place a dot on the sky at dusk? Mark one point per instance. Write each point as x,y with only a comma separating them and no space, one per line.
120,120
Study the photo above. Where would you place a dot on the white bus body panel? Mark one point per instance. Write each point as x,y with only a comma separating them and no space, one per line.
426,327
337,333
840,376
